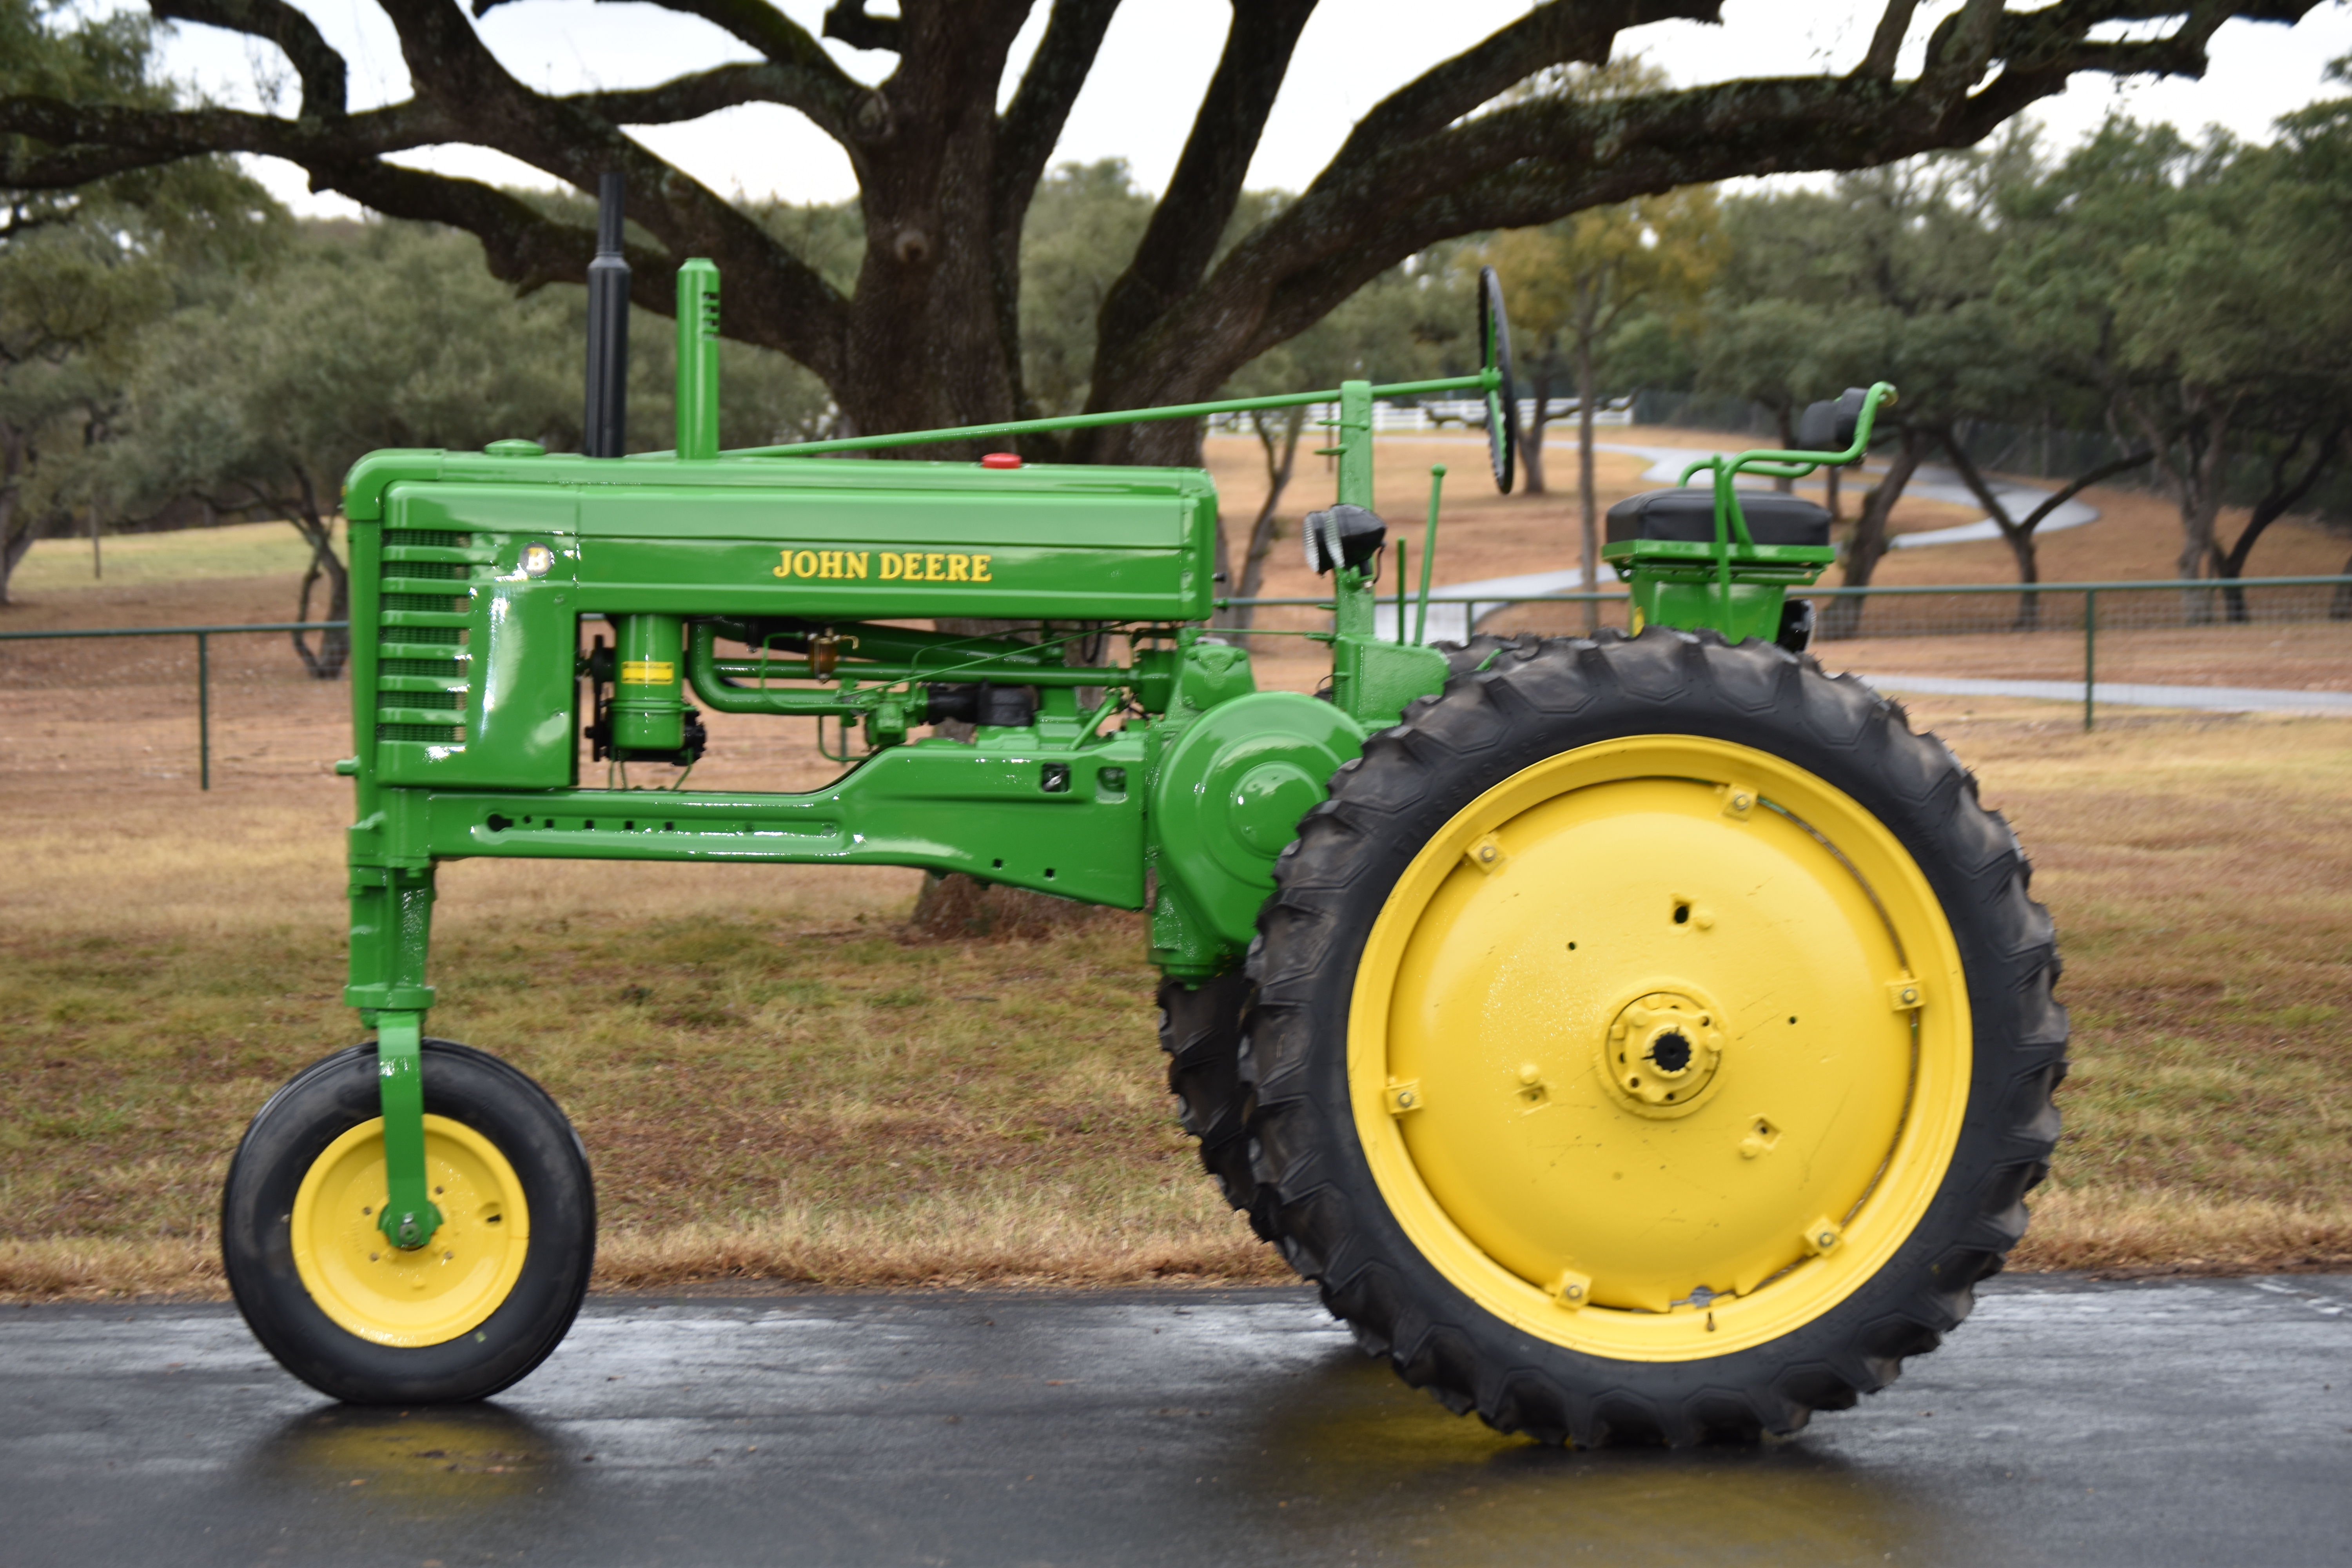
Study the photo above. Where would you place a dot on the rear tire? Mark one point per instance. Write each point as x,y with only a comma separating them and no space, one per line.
1200,1023
359,1319
1200,1028
1450,1163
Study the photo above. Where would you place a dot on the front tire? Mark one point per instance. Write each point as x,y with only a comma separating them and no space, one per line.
473,1311
1653,1039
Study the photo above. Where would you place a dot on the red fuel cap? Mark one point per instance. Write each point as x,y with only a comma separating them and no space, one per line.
1001,460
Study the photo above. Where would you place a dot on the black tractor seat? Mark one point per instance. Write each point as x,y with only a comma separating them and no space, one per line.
1686,513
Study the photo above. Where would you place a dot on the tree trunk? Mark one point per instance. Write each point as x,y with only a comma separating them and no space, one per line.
1281,458
1868,543
2029,570
2282,493
1786,413
16,531
334,650
1588,502
2193,479
1531,454
2018,536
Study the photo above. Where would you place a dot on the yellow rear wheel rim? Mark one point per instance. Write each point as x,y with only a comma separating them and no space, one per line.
1573,1065
432,1294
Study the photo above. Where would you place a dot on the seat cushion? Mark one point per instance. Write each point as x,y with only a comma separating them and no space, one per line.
1686,513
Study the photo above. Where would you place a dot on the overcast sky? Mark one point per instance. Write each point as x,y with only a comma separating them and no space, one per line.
1157,56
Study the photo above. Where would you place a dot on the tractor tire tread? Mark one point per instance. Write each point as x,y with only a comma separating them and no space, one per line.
1200,1030
1508,706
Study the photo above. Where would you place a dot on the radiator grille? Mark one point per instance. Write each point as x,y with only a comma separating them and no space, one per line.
420,566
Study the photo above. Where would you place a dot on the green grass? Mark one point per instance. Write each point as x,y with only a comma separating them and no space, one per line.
799,1095
234,550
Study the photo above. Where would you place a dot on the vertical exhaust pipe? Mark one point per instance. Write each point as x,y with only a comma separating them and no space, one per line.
604,428
697,360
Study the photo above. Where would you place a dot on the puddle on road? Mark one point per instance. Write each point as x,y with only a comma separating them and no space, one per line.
454,1458
1356,1452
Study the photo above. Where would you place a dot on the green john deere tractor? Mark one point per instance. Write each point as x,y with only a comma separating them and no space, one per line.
1637,1035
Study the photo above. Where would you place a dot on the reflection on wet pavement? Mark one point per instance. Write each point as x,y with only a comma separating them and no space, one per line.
1452,1491
2067,1423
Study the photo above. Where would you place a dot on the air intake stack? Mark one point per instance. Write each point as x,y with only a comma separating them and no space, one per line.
605,427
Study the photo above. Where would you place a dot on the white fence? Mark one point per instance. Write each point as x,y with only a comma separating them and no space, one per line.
1456,414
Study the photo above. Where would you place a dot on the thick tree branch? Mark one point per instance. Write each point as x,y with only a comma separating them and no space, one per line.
1534,161
847,20
1033,122
775,35
793,308
787,307
1886,42
1557,33
90,139
798,74
321,70
945,181
1961,47
525,247
726,87
1025,135
1192,214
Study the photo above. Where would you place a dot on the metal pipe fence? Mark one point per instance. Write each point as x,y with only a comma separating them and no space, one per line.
1971,609
1987,610
203,636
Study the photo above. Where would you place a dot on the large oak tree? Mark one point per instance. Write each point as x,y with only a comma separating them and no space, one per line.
930,332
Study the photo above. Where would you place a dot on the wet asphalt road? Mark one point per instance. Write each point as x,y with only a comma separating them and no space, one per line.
2197,1422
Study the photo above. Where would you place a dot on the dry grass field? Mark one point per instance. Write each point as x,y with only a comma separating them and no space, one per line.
774,1082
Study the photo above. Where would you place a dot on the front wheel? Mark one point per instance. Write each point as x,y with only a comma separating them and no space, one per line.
1653,1038
475,1309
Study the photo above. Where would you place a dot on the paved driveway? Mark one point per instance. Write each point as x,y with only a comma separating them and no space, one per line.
2066,1423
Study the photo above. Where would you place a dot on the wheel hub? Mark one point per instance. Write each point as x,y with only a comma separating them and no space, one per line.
1662,1051
410,1297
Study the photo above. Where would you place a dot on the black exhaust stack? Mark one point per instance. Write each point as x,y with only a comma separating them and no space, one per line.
604,431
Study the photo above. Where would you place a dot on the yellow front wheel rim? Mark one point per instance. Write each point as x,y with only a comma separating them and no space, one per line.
1659,1050
432,1294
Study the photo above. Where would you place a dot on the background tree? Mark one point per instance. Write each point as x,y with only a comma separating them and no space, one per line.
2200,291
1888,276
930,332
384,335
1768,351
84,271
1655,254
1534,265
1396,328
